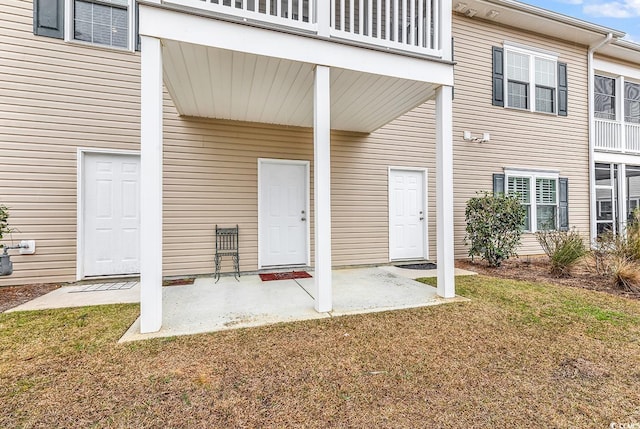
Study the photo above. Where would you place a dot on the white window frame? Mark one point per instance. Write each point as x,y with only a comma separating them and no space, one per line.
618,104
532,53
532,175
624,99
69,28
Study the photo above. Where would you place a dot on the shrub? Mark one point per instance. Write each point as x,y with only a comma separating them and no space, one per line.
625,273
564,249
494,227
633,236
4,224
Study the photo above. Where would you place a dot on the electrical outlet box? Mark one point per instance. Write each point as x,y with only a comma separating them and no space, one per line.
28,247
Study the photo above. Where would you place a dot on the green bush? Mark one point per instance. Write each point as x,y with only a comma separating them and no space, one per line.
494,227
4,224
564,249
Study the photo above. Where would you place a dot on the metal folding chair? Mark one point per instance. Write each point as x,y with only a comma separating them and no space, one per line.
227,245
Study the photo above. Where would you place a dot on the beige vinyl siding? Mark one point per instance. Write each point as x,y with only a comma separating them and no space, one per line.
519,139
56,97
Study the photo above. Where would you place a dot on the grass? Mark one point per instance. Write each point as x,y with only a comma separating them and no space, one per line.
518,354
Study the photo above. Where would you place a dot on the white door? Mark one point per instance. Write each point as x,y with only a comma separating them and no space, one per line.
111,217
283,213
407,214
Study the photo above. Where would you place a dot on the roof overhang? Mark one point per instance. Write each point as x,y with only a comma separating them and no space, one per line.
622,49
531,18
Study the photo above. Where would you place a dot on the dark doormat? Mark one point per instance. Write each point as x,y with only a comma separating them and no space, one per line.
285,276
425,266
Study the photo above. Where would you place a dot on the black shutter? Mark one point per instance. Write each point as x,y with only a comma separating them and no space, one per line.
137,39
562,89
563,209
498,184
48,18
498,76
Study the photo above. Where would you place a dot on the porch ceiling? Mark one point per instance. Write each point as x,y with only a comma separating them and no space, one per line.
216,83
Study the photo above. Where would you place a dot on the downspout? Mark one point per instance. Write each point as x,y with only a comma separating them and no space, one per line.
592,166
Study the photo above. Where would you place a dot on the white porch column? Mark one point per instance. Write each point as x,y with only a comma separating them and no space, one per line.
322,189
150,185
444,192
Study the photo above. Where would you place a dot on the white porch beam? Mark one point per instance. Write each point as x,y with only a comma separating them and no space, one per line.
444,192
322,189
151,185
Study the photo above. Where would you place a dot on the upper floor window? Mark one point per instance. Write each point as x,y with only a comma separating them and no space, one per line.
529,79
604,97
632,102
103,22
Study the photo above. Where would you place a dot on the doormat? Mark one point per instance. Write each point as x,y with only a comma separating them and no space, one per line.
285,276
425,266
96,287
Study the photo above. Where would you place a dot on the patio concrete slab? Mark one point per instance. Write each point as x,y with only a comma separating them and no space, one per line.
416,274
79,296
366,290
207,307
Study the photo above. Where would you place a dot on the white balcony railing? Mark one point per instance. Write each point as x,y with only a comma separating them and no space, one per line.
408,25
616,136
632,137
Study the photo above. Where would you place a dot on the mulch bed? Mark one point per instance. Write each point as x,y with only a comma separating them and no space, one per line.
537,269
12,296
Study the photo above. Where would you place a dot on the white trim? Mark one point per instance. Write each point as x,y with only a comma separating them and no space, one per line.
530,50
131,22
616,158
425,207
306,164
601,66
80,154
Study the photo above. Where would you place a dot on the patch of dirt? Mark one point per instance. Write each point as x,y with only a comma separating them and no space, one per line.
12,296
579,369
537,269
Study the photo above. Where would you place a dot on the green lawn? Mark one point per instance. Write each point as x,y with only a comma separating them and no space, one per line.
517,355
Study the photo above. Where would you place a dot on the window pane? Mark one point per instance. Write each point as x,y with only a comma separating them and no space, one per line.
517,66
632,102
544,99
603,174
604,97
546,217
546,191
633,189
603,204
519,186
103,24
527,219
517,95
545,72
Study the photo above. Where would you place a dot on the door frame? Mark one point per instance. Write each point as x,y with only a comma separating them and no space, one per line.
306,164
425,194
80,156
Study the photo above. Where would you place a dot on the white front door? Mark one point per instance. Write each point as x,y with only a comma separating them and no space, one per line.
283,213
407,214
111,214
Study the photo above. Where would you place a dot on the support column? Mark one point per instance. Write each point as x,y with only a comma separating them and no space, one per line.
322,189
444,192
150,185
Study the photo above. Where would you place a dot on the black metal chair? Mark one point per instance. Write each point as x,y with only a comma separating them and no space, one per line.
227,245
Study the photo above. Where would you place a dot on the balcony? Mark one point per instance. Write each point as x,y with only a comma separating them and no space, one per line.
615,136
403,25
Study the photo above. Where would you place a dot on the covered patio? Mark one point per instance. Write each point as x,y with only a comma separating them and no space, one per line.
206,306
